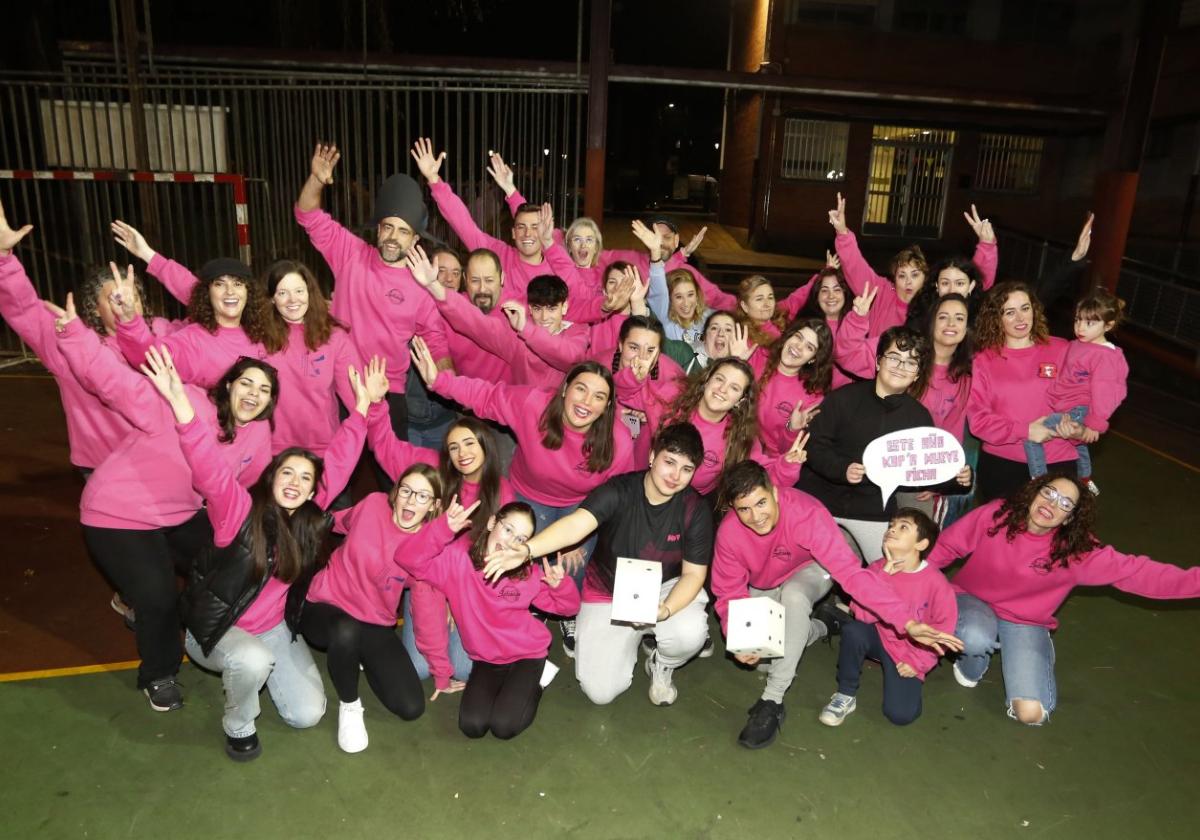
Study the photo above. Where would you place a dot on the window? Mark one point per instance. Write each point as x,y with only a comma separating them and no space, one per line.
930,17
814,150
1009,163
847,14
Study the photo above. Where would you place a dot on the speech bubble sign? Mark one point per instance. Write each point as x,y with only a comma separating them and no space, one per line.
915,457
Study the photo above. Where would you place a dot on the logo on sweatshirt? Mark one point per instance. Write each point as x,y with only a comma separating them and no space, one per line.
710,458
314,364
781,553
672,538
510,593
1047,370
784,409
395,295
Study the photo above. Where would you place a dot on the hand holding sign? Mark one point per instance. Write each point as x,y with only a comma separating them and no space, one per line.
916,457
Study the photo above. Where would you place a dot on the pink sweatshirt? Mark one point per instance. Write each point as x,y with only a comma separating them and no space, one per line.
494,621
146,483
382,304
94,429
888,310
805,533
554,477
1009,391
310,383
469,358
776,402
229,503
364,577
201,357
929,599
1011,579
1093,375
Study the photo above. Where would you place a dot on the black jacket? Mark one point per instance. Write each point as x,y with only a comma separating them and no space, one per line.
851,417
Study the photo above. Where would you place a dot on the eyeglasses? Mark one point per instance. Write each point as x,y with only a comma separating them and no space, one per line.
1065,504
900,363
583,240
510,535
422,497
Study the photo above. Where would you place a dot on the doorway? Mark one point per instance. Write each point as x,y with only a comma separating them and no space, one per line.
906,186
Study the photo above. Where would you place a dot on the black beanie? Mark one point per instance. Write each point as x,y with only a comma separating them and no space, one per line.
400,196
225,267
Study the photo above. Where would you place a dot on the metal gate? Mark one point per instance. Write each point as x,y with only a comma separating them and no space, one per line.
906,188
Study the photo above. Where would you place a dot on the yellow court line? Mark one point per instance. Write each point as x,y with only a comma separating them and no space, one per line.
1157,452
70,672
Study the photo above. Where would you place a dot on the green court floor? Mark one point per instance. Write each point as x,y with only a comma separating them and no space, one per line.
84,756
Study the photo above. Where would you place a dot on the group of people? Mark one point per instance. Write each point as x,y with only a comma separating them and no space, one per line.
536,410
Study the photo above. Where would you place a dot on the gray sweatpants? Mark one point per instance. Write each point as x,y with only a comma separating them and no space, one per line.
798,594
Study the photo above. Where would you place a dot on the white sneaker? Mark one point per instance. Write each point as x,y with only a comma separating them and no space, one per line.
961,678
662,692
352,732
839,707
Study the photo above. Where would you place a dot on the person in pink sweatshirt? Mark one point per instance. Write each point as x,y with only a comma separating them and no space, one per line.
142,518
568,441
1016,363
831,299
1025,555
792,380
909,269
507,644
374,293
350,607
926,593
783,544
1092,384
265,539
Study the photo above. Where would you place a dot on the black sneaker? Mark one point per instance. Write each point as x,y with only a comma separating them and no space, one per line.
831,615
567,626
243,749
165,695
766,716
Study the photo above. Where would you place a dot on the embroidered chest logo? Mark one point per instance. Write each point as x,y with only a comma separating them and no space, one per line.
314,364
395,295
510,593
1047,370
783,409
781,553
710,458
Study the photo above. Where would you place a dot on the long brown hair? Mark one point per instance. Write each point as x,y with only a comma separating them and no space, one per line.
221,397
489,481
294,542
817,373
742,428
812,306
959,369
318,323
254,315
479,540
989,323
757,334
598,443
1070,540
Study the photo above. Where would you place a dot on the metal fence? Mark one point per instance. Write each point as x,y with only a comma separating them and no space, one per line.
263,122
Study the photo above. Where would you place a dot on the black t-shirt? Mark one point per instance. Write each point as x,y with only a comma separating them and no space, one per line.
679,529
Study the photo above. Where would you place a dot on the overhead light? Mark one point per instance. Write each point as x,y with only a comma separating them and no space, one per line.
670,104
545,151
716,145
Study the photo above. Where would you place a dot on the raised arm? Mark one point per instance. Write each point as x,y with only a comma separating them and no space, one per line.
571,529
494,401
853,351
320,176
177,279
450,205
394,455
1139,575
345,448
856,270
23,310
986,255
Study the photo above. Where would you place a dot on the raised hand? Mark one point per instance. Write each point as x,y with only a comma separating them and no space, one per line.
63,315
427,163
739,343
798,454
552,574
159,368
832,260
545,224
324,159
837,216
648,238
424,272
129,238
862,303
931,637
123,297
423,359
800,418
362,397
376,381
1085,239
515,312
9,237
637,295
617,298
694,242
504,560
501,173
458,517
982,227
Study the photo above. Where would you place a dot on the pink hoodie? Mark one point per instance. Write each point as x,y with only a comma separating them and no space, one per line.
1093,375
555,477
1009,391
146,483
494,621
364,577
382,304
229,503
928,597
805,533
1011,578
888,310
94,429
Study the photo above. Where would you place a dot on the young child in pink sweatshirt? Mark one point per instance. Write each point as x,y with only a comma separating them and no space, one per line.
1092,383
507,644
927,595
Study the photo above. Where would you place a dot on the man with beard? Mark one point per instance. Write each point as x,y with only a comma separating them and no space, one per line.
376,296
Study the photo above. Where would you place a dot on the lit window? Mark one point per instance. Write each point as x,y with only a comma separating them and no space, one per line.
814,150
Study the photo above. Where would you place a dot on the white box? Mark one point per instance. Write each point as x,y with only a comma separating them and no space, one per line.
755,627
636,589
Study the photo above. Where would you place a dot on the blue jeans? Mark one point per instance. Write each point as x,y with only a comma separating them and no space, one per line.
1035,453
547,516
1027,657
458,656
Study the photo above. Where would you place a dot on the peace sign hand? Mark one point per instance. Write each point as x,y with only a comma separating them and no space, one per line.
62,315
862,303
837,216
798,454
982,227
123,297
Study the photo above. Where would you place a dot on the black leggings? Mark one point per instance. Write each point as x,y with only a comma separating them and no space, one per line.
142,566
348,643
999,478
501,698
